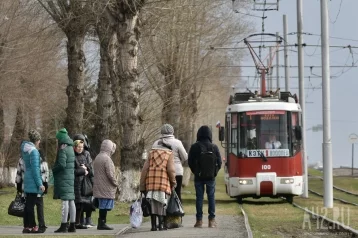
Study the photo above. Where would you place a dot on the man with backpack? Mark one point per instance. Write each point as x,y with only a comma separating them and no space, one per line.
205,162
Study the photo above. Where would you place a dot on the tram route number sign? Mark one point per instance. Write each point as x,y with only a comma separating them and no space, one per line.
269,153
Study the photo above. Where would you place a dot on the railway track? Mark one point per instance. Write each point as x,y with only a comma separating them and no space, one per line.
325,225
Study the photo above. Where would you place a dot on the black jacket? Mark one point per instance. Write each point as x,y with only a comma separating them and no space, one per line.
83,158
204,137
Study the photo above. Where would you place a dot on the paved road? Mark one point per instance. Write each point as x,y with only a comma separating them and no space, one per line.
228,227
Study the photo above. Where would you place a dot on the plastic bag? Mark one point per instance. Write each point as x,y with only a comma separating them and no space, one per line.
175,207
136,214
17,207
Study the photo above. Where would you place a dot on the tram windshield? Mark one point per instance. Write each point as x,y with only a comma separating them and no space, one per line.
263,133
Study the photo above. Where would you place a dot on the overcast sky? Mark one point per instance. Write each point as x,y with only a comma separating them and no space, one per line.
344,98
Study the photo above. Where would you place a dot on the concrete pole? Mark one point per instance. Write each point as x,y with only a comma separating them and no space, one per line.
302,92
287,70
269,83
352,159
326,106
277,63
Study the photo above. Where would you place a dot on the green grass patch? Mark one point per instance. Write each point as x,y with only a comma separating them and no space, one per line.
347,183
315,172
273,217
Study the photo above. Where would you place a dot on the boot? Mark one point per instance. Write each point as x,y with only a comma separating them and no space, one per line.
102,225
161,223
153,219
198,224
62,229
72,227
212,223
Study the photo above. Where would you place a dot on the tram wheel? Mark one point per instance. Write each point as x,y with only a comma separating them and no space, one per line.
239,200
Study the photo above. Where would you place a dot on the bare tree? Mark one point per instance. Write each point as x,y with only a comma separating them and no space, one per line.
180,34
71,18
123,15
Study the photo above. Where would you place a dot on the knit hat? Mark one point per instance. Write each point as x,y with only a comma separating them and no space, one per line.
62,134
34,136
167,129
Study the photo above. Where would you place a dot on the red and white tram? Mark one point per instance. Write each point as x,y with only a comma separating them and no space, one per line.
262,140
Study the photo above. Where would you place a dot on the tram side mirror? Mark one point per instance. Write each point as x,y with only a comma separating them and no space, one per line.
298,132
221,133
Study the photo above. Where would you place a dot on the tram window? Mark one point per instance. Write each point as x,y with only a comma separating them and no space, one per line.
234,136
258,128
296,143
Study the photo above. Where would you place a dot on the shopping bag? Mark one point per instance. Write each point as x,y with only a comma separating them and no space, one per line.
87,187
175,207
17,207
146,208
136,214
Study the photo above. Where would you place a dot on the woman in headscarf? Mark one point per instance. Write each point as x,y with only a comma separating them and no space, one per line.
157,180
105,184
179,152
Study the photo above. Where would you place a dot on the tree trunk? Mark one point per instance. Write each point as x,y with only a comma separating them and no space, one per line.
131,149
75,88
104,91
2,125
18,134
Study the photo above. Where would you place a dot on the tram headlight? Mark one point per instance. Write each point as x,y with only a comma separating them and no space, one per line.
245,181
287,180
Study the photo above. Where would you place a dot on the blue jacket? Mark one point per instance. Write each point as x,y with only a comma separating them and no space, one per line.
32,176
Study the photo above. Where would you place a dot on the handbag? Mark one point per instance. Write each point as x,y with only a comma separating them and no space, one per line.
146,208
17,206
174,206
86,187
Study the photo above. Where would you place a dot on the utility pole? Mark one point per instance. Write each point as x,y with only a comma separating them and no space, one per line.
302,92
326,107
277,63
287,70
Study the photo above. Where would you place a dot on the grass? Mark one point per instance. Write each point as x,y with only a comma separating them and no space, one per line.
348,214
273,217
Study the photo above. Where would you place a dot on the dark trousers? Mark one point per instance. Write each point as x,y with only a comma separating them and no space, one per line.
29,212
40,211
103,214
210,191
79,212
179,180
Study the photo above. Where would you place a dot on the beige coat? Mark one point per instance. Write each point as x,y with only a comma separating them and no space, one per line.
105,183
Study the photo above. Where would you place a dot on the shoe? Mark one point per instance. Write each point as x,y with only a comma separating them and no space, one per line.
27,230
35,229
198,224
80,226
42,229
72,227
89,222
62,229
102,225
212,223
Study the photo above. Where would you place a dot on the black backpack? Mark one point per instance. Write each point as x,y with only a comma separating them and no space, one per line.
206,164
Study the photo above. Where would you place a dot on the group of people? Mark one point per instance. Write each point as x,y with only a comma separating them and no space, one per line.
162,174
73,166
